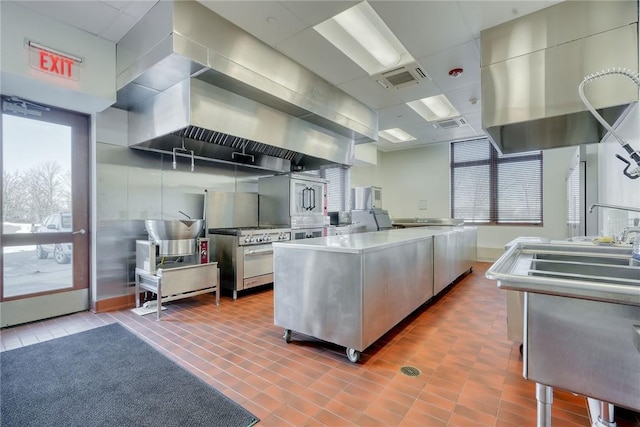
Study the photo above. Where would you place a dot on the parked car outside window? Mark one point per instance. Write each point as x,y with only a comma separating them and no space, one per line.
56,223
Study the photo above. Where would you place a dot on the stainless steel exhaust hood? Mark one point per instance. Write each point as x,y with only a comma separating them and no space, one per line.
187,75
532,67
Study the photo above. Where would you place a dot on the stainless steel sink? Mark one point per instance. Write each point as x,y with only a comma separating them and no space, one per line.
581,319
581,270
592,267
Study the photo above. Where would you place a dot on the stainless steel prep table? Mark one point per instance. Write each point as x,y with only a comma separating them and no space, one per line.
352,289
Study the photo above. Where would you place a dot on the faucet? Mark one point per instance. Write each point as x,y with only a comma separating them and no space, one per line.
627,231
623,208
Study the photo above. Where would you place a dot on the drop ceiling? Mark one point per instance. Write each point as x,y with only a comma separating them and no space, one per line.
440,35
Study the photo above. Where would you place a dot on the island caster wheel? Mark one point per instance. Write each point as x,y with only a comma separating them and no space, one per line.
353,355
287,336
521,348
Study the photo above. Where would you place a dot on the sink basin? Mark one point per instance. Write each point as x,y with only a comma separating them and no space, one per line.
605,268
602,273
597,272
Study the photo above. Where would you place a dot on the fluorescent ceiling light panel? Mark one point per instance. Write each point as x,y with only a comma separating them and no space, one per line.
434,108
396,135
364,37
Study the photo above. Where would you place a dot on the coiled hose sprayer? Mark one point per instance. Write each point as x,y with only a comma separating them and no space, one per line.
634,154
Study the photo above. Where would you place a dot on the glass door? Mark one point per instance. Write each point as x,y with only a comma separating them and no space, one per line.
45,212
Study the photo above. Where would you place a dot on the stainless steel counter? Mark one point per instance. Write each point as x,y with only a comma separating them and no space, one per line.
426,222
362,242
352,289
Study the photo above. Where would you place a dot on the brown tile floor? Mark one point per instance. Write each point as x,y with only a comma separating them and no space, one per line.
470,373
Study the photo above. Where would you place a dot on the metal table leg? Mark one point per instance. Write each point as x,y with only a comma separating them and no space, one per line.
607,415
137,290
159,299
218,286
544,396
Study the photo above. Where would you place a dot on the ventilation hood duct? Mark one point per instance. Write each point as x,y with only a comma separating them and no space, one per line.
532,67
188,76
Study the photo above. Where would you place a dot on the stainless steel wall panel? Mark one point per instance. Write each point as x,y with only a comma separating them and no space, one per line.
136,185
231,210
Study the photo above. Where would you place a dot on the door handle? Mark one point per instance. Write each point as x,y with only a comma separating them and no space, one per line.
304,199
81,231
312,199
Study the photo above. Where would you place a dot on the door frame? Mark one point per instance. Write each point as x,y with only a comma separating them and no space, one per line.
25,308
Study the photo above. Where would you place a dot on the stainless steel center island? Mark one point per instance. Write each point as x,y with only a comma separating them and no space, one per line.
352,289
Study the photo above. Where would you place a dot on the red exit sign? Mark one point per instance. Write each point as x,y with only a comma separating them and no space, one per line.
54,62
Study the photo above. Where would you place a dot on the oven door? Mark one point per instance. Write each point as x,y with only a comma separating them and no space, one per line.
258,265
307,198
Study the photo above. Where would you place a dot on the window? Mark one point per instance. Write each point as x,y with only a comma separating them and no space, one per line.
487,188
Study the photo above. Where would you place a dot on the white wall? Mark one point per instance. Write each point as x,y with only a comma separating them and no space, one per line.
408,176
95,88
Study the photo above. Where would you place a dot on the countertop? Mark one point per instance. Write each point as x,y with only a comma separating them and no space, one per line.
362,242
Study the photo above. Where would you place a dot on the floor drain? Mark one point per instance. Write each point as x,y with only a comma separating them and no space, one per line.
410,371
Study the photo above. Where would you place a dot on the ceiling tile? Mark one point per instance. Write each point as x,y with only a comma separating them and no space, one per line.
465,56
121,26
480,15
91,16
118,4
462,99
370,92
314,52
401,116
139,8
475,121
424,27
315,12
423,89
269,21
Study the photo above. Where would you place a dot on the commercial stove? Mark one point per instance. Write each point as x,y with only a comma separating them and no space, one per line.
245,255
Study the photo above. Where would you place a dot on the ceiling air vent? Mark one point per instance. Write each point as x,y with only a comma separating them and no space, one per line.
451,123
408,74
